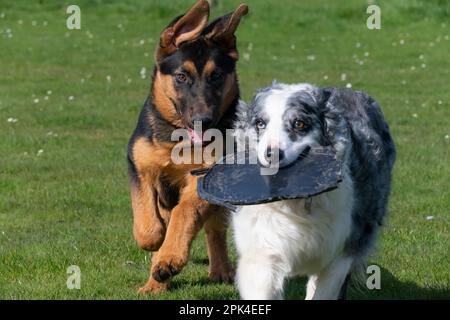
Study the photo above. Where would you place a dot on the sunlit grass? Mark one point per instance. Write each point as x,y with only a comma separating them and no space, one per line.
75,97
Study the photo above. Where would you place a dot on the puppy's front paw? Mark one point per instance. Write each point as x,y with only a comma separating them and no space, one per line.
167,267
153,287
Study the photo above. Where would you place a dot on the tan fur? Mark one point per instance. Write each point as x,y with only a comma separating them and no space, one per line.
209,68
153,286
163,92
220,268
148,230
171,233
189,66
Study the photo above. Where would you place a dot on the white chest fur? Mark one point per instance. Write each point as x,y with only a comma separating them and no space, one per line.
291,239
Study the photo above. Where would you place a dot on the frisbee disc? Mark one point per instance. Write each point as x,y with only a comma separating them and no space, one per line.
244,184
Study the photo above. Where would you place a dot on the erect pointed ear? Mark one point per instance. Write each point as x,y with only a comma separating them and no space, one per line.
222,30
184,28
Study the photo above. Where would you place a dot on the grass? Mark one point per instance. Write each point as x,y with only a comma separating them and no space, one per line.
68,204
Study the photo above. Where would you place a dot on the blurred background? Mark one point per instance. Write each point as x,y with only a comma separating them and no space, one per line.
69,100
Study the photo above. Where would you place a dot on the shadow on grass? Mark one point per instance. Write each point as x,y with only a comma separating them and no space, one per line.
391,289
201,261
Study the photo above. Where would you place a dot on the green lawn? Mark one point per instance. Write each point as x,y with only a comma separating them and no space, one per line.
69,101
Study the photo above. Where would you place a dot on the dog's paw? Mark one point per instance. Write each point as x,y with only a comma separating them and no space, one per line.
153,287
167,267
223,274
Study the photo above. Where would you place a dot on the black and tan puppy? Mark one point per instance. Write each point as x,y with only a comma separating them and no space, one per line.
194,80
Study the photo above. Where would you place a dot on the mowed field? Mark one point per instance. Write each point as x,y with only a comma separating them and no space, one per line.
69,101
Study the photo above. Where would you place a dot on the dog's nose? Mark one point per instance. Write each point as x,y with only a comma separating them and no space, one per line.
206,120
270,152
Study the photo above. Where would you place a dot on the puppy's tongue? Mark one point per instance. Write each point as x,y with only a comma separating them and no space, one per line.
196,137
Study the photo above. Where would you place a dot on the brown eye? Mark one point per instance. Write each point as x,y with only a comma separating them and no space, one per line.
181,77
299,125
260,124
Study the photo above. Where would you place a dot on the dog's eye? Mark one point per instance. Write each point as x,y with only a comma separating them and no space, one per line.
181,77
299,125
260,124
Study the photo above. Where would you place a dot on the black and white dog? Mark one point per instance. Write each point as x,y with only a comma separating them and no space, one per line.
330,236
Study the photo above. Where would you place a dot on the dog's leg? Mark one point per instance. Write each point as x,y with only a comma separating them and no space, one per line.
149,228
153,286
186,220
311,287
328,283
220,269
258,278
343,291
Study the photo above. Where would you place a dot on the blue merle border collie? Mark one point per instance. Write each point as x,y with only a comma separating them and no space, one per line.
327,236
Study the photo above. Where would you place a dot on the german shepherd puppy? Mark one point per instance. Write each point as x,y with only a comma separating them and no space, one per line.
194,80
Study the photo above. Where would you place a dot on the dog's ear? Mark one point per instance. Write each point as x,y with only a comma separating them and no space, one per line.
322,97
222,30
187,27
